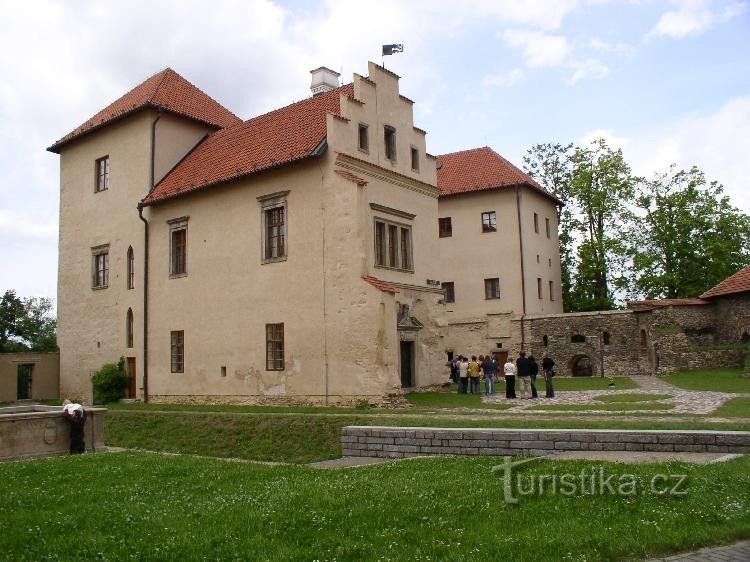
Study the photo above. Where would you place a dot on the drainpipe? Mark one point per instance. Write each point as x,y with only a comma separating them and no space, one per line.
523,275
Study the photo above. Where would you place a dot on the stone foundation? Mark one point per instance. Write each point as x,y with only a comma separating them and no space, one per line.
398,442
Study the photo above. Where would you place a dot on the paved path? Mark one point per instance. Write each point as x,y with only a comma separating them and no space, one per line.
684,401
739,552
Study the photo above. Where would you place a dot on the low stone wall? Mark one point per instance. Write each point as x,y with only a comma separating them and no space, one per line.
397,442
40,431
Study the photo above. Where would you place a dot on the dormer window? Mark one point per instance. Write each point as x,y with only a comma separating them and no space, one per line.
102,175
390,143
364,143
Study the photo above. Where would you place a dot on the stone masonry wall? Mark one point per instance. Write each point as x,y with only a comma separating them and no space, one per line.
398,442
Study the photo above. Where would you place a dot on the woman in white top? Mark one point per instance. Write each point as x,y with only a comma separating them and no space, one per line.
463,375
509,369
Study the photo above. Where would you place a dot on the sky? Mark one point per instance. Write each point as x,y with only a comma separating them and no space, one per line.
668,81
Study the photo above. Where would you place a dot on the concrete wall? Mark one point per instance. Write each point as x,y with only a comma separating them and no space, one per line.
398,442
45,378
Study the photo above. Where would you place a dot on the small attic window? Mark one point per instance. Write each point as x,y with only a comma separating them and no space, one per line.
364,144
414,158
389,136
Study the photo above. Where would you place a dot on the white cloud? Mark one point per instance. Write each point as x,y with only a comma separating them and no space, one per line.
24,225
509,79
613,140
603,46
539,49
589,68
693,17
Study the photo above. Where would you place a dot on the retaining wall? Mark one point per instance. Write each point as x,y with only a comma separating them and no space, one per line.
383,441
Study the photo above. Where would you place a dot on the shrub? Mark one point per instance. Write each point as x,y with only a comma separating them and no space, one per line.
110,382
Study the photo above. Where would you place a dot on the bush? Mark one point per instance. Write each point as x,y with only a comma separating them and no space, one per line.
110,382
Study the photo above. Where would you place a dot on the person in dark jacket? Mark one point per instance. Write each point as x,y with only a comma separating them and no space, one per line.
533,372
77,419
548,367
524,372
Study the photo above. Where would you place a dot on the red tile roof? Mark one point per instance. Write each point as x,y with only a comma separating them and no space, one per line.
352,177
481,169
661,303
283,136
379,284
167,91
737,283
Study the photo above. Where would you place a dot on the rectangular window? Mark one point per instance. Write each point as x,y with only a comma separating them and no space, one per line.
393,246
445,227
178,250
274,347
178,351
546,226
275,234
414,159
449,290
492,288
100,267
551,291
364,141
539,287
102,174
489,222
536,223
389,134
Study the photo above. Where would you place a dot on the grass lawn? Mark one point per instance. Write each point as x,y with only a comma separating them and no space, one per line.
734,408
451,399
633,397
717,380
143,506
589,383
621,407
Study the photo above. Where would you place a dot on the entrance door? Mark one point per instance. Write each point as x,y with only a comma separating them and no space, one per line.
502,357
130,389
407,364
24,381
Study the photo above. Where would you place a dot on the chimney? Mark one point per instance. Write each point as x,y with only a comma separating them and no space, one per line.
323,80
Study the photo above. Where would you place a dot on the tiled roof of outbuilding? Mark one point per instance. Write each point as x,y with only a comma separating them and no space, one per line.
737,283
283,136
481,169
165,90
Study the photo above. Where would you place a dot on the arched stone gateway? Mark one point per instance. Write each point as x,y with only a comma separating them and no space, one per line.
580,366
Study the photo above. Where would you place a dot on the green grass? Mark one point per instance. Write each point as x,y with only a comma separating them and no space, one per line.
621,407
304,438
717,380
149,507
734,408
238,409
589,383
632,397
668,329
451,399
717,347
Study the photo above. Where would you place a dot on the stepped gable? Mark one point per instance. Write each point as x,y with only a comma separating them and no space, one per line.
290,134
737,283
481,169
166,91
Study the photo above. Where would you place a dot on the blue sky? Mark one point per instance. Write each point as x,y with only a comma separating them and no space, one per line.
667,81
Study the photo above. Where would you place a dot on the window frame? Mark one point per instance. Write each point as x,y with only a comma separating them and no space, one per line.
392,251
449,291
363,133
489,294
177,351
130,259
551,291
414,158
177,226
547,226
100,275
389,143
536,223
490,225
539,292
101,174
275,347
445,232
269,204
129,329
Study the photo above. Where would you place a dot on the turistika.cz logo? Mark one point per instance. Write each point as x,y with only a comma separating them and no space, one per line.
588,482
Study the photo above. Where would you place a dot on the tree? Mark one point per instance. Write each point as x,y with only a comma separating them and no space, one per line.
690,237
595,184
26,324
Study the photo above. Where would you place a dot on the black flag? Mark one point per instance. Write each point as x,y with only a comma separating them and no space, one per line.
390,49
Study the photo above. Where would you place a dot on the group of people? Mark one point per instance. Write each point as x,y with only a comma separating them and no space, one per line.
467,374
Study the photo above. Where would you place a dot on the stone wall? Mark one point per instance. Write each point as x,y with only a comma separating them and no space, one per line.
398,442
734,312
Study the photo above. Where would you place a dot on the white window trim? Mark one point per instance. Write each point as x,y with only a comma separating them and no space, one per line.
399,226
267,203
180,223
98,251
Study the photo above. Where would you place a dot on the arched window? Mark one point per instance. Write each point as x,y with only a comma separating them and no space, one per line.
605,337
129,328
577,338
131,268
545,341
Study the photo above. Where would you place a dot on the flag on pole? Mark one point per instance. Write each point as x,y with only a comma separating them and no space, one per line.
395,48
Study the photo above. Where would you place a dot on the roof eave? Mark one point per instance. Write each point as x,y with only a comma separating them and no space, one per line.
507,186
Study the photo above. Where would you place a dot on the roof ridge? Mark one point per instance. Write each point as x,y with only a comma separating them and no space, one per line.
466,150
297,103
159,85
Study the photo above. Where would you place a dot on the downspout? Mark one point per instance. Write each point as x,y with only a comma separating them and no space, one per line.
523,274
145,258
325,311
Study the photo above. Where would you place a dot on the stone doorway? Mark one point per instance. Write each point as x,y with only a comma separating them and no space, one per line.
407,364
25,381
581,366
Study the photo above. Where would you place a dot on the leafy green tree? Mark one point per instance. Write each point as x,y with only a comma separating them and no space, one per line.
689,237
26,324
110,382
